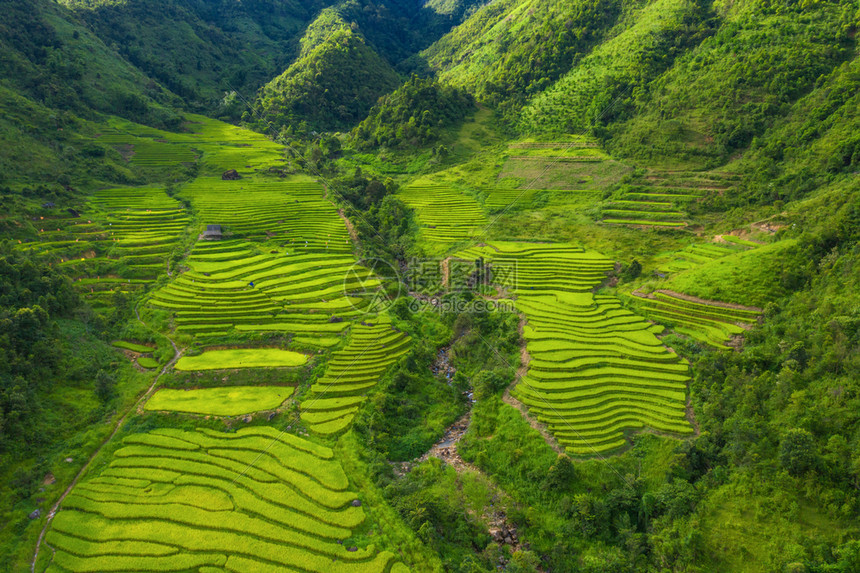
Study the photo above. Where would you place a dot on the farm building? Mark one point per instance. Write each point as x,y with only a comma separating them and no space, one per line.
212,232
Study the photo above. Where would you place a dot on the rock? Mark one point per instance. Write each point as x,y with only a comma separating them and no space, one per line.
335,319
353,548
248,419
356,503
49,479
69,460
36,514
509,540
271,415
231,175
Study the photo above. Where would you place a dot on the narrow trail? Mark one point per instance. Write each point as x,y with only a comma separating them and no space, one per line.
525,359
350,228
136,407
698,300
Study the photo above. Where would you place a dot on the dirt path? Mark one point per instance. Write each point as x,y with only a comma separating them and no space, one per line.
349,226
446,271
138,408
696,299
353,234
511,401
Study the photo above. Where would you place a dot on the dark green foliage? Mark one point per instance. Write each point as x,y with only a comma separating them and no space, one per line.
426,499
506,56
74,71
732,87
332,85
397,30
105,385
414,115
387,228
30,296
797,452
198,48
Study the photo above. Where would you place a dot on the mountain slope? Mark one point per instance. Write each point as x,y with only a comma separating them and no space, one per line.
334,82
51,58
733,86
513,49
200,49
643,45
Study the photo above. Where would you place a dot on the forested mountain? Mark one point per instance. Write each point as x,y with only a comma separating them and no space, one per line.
334,81
430,285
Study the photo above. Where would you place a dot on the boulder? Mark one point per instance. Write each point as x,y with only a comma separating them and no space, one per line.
231,175
356,503
36,514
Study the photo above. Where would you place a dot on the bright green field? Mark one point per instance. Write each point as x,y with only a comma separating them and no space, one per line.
147,362
229,401
131,346
242,358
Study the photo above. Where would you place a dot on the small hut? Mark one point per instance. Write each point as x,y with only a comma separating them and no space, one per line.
212,232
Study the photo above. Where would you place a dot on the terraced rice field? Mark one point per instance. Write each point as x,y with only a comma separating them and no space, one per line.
576,149
228,401
251,501
597,370
351,373
134,347
232,285
446,215
292,213
711,323
655,207
695,255
157,154
660,199
122,241
502,199
242,358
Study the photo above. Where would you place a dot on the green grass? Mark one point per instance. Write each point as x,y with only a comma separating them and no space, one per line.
752,277
131,346
242,358
147,362
228,401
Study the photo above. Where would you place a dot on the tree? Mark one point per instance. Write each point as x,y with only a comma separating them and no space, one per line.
105,385
797,452
561,474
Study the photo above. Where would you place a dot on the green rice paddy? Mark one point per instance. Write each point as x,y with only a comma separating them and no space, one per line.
227,401
146,362
242,358
177,500
134,347
351,373
712,323
446,215
597,370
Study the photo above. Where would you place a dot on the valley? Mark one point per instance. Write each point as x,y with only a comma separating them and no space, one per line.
523,285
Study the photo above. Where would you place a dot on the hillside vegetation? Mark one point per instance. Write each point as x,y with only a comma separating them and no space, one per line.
430,285
333,83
